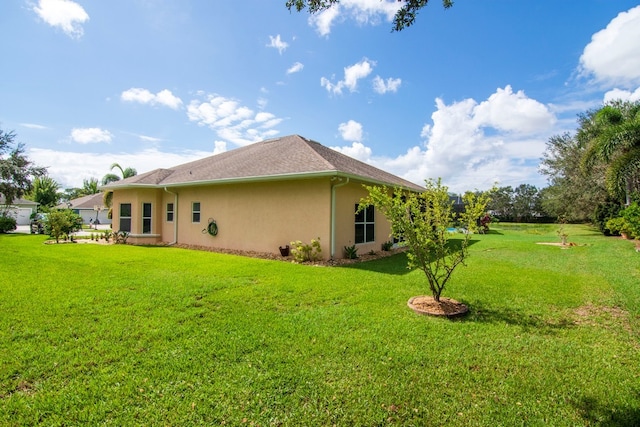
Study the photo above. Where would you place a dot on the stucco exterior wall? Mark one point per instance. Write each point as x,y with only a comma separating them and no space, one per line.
258,216
347,198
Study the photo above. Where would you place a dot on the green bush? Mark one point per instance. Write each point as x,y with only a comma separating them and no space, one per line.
7,223
303,252
631,215
386,246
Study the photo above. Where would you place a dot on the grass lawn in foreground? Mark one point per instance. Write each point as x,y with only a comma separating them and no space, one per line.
124,335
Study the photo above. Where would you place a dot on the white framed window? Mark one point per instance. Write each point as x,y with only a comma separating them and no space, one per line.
170,212
365,225
125,217
195,212
146,218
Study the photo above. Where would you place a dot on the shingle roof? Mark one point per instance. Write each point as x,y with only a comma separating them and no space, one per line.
85,202
279,158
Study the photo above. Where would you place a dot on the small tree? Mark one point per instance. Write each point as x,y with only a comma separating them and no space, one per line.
62,222
423,221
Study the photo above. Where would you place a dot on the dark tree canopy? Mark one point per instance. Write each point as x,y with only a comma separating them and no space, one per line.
16,170
405,17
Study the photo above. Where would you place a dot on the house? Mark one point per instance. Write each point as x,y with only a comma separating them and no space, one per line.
21,209
90,208
257,198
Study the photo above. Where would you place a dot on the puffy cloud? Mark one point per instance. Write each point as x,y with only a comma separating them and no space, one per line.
469,144
231,121
352,74
625,95
390,85
351,131
144,96
64,14
90,135
277,43
295,68
613,55
362,11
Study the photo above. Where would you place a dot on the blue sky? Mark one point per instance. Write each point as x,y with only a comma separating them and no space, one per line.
470,94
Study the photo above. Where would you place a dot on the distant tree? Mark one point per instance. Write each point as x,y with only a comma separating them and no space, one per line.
526,202
16,170
45,191
405,16
501,203
611,136
423,221
90,186
572,193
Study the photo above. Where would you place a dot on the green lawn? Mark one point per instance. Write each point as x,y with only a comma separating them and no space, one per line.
124,335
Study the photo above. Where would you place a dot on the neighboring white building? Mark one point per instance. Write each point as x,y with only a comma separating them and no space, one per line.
89,208
20,209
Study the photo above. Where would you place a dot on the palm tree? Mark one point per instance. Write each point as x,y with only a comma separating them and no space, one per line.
107,198
126,173
612,136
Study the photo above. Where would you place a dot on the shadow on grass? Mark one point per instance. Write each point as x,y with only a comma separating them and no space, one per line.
397,264
481,313
601,414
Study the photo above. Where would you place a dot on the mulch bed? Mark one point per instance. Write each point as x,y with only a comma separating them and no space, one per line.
447,307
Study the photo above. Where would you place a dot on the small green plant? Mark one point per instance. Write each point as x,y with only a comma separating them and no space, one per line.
303,252
120,237
107,235
351,252
562,233
387,246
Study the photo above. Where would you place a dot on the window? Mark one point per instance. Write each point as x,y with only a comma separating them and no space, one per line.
195,212
146,218
125,217
169,212
365,225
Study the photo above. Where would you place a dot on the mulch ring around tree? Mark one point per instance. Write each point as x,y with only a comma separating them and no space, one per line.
428,306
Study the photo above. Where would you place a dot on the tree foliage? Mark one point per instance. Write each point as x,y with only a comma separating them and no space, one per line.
424,221
16,170
62,222
405,16
45,191
611,137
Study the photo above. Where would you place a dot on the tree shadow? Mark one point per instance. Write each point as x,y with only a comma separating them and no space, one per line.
397,264
481,313
600,414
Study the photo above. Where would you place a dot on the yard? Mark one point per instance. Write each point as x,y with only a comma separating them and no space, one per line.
124,335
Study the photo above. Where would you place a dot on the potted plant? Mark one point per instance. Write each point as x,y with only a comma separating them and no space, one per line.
284,251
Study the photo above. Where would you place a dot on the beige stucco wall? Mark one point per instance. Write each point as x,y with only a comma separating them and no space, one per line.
258,216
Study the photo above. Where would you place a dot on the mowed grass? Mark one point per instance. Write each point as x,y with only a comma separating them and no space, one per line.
124,335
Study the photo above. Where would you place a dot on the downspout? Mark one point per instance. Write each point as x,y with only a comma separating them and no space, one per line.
333,215
175,217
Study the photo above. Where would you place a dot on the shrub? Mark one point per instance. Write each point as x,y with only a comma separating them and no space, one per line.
387,246
7,223
303,252
631,215
62,222
351,252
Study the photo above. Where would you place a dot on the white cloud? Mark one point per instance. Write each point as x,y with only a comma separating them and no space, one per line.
219,147
277,43
295,68
351,131
70,168
613,55
144,96
90,135
362,11
64,14
625,95
231,121
390,85
352,74
33,126
472,145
